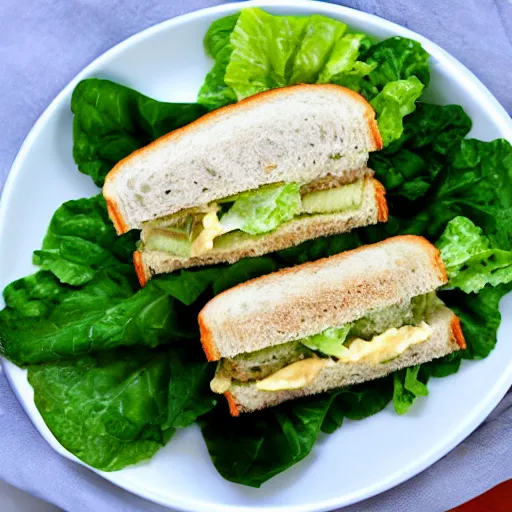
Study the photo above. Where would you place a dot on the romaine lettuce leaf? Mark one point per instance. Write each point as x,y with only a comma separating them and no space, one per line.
470,261
253,448
329,342
409,166
475,181
444,366
218,35
315,48
396,58
108,410
112,121
228,276
480,317
215,92
357,402
342,66
274,51
45,320
433,129
402,398
471,179
352,78
487,166
80,240
189,393
407,386
319,248
266,51
411,383
393,103
261,211
263,47
118,408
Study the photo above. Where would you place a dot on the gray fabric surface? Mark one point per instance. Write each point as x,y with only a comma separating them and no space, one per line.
44,43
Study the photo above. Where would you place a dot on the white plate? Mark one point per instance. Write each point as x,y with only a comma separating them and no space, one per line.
361,459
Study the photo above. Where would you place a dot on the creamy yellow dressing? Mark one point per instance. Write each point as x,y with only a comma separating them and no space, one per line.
221,382
387,345
295,376
380,349
212,228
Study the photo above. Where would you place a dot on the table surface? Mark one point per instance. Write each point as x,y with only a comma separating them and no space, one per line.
14,500
497,499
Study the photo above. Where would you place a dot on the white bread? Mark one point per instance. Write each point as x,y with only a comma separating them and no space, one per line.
446,338
307,299
294,134
373,210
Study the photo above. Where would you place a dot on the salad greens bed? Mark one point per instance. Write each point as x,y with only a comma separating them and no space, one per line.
117,369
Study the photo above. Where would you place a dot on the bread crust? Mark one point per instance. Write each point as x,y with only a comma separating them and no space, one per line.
457,333
380,199
139,268
374,127
210,349
115,216
234,409
114,212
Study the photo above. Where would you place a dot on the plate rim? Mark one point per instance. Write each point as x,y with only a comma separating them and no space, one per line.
466,427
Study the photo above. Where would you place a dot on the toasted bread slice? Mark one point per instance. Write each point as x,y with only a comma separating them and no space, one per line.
302,301
293,134
446,338
373,210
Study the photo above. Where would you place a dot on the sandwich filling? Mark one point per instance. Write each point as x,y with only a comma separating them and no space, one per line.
377,338
254,213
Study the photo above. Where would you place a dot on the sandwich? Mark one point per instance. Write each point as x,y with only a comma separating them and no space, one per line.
264,174
343,320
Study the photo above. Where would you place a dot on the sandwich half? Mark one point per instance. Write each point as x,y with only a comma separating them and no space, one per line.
267,173
343,320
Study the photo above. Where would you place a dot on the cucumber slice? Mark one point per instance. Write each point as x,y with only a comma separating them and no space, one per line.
172,240
232,239
347,197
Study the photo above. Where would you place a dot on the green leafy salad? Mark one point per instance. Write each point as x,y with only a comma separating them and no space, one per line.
116,369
